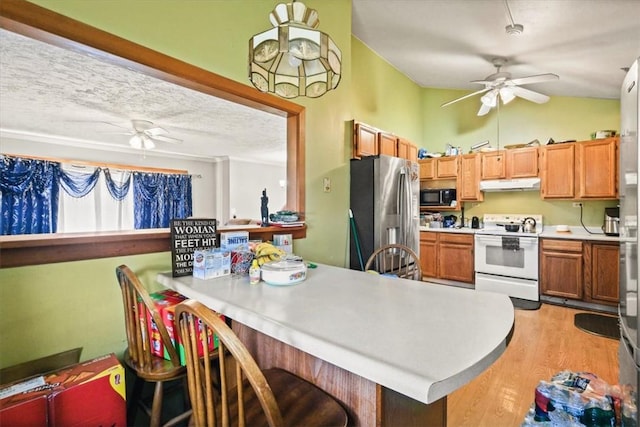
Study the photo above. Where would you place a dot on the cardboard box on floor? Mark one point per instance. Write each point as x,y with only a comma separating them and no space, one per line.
88,393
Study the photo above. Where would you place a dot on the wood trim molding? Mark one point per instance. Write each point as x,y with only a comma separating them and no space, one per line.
36,249
42,24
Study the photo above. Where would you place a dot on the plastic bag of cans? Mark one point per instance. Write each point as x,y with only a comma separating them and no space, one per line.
575,399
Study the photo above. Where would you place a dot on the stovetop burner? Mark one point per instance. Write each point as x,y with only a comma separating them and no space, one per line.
499,224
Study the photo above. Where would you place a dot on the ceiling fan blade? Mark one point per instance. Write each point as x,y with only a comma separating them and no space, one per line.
529,95
535,79
484,109
156,131
466,96
163,138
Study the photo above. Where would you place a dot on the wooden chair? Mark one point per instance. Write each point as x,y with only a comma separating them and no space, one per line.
138,356
273,397
395,259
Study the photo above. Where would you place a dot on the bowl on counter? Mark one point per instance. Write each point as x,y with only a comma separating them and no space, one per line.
562,228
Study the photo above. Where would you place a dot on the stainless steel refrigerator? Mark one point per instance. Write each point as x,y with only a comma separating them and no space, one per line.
629,354
384,205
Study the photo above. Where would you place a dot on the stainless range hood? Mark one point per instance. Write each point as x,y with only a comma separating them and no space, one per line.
522,184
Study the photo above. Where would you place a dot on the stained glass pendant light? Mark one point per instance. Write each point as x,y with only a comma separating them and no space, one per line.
294,58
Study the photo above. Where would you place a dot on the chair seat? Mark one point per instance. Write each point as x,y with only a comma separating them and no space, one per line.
159,370
301,403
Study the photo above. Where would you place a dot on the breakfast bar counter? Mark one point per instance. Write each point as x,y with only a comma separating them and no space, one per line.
390,349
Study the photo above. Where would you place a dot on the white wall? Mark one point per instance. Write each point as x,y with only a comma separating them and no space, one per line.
207,183
220,188
246,182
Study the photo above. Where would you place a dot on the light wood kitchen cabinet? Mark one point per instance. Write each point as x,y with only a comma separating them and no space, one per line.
407,150
365,140
561,269
387,144
447,167
602,262
439,168
580,270
558,171
510,164
447,256
429,254
597,169
469,179
494,165
586,170
455,257
522,162
427,168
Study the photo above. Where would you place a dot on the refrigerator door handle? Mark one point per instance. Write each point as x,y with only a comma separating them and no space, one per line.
404,206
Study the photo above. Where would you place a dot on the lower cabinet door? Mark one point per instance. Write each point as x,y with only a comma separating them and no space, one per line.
561,274
456,262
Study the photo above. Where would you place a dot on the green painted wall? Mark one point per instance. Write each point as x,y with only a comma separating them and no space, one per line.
383,97
50,308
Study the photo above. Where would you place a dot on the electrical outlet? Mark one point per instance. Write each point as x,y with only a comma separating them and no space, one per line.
326,185
577,204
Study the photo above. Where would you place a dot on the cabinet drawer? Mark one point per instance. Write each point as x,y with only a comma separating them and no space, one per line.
464,239
561,245
428,236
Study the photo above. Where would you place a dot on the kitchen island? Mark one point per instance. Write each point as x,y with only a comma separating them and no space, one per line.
389,349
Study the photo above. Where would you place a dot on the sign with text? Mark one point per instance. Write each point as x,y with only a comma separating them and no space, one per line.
187,235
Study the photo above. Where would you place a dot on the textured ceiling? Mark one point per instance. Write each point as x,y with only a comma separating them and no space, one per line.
73,98
448,43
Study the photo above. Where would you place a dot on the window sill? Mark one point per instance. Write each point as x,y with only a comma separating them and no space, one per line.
37,249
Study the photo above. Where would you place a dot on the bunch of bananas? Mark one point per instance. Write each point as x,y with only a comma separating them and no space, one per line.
266,252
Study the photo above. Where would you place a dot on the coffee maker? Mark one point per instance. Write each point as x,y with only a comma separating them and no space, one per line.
611,221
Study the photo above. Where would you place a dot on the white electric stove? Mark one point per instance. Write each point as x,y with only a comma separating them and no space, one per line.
507,261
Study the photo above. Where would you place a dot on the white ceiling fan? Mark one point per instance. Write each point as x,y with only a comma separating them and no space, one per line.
145,135
500,85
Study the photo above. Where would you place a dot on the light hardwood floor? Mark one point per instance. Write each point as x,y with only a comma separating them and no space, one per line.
544,342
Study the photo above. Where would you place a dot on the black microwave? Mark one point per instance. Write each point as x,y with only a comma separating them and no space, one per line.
437,196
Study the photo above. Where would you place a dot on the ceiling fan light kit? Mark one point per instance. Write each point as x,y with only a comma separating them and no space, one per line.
145,134
294,58
499,86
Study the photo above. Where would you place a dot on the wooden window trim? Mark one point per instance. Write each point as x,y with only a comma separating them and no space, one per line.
33,21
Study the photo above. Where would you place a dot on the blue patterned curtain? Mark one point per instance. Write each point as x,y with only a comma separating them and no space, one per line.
78,184
158,198
118,192
29,192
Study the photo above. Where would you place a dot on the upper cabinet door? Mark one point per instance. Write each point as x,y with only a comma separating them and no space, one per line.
407,150
388,144
427,168
365,141
558,171
469,178
597,169
522,162
494,165
447,167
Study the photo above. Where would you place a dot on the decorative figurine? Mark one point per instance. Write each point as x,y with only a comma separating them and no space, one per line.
264,209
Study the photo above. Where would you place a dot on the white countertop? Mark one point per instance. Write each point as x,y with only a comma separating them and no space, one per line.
465,230
419,339
549,231
578,233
